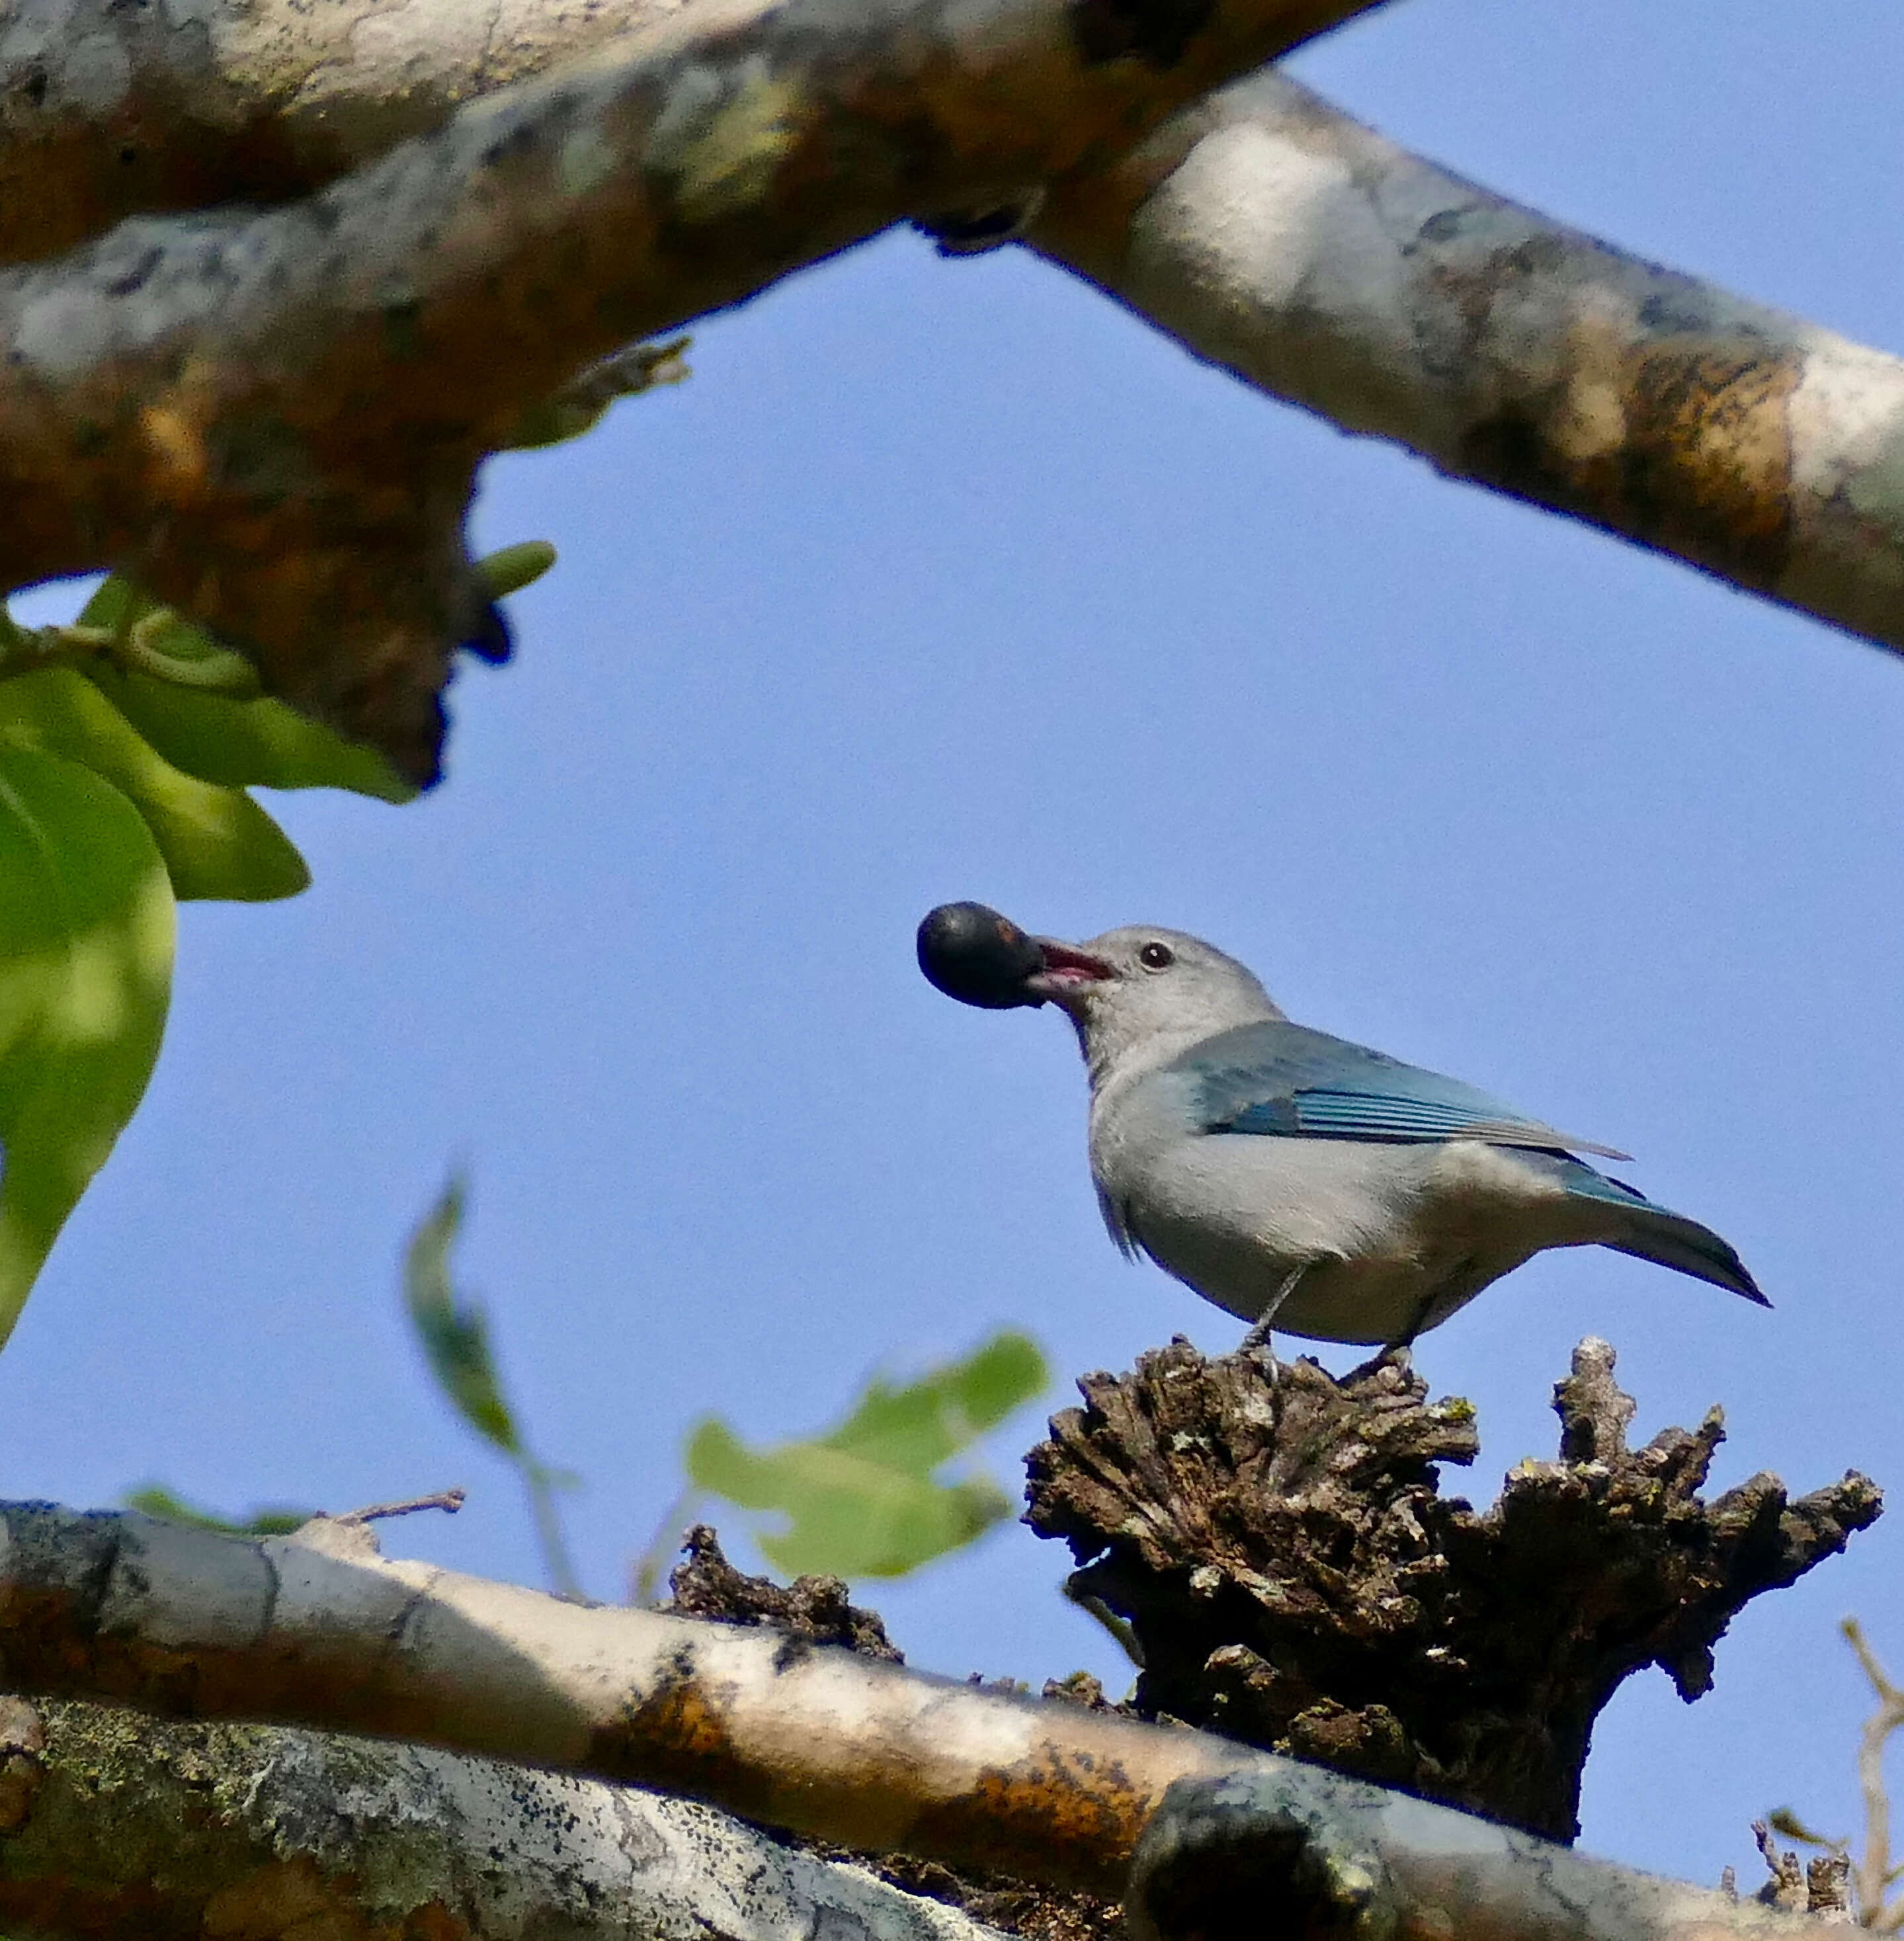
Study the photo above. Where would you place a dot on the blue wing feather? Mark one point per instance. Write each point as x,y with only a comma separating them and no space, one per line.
1284,1080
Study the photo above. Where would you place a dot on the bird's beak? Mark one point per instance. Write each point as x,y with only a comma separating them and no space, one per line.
1066,970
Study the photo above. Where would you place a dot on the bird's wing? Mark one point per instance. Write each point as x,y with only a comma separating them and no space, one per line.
1278,1078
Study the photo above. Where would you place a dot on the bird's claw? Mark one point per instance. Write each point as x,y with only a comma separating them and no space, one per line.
1259,1346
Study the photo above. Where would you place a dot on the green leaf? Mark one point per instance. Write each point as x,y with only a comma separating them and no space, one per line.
511,568
216,841
860,1499
260,744
236,744
269,1520
850,1517
86,940
455,1333
918,1427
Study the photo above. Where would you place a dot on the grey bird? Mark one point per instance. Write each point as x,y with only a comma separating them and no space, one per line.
1301,1182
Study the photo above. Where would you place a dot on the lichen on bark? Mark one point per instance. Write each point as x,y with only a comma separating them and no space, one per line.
138,1827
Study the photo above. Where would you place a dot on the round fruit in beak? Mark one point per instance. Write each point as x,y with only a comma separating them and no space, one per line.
974,955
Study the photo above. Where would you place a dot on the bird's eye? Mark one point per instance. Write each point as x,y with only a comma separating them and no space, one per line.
1156,957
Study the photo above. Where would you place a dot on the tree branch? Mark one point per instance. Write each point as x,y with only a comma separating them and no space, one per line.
1276,1538
108,111
316,1628
1274,236
1874,1874
117,1826
272,418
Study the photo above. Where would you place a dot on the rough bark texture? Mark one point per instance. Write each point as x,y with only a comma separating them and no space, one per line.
119,1825
815,1610
112,1824
1275,237
1275,1540
107,111
273,415
316,1629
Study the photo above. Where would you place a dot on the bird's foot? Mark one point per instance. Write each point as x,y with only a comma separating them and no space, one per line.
1259,1346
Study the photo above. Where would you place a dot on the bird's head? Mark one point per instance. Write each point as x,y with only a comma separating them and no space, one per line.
1145,993
1138,995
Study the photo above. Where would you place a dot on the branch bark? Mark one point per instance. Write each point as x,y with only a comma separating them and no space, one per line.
272,419
126,1829
1275,237
317,1629
108,111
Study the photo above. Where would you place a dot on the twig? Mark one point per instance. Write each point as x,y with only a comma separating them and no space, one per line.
1785,1888
1873,1872
449,1501
1125,1638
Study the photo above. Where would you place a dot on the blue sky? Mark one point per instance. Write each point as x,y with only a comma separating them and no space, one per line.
945,580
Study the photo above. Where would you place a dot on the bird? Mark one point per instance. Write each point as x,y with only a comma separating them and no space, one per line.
1301,1182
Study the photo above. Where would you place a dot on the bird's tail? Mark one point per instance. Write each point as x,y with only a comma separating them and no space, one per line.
1673,1241
1668,1240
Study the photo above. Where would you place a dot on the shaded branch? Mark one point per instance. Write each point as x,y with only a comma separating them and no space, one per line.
1274,236
115,1826
271,419
316,1628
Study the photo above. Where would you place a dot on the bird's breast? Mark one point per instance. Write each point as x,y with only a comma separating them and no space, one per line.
1385,1234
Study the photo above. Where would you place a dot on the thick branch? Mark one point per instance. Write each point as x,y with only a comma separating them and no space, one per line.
115,1826
316,1629
1275,237
272,418
107,111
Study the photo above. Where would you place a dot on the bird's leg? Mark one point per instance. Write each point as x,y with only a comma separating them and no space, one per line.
1398,1351
1257,1343
1398,1348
